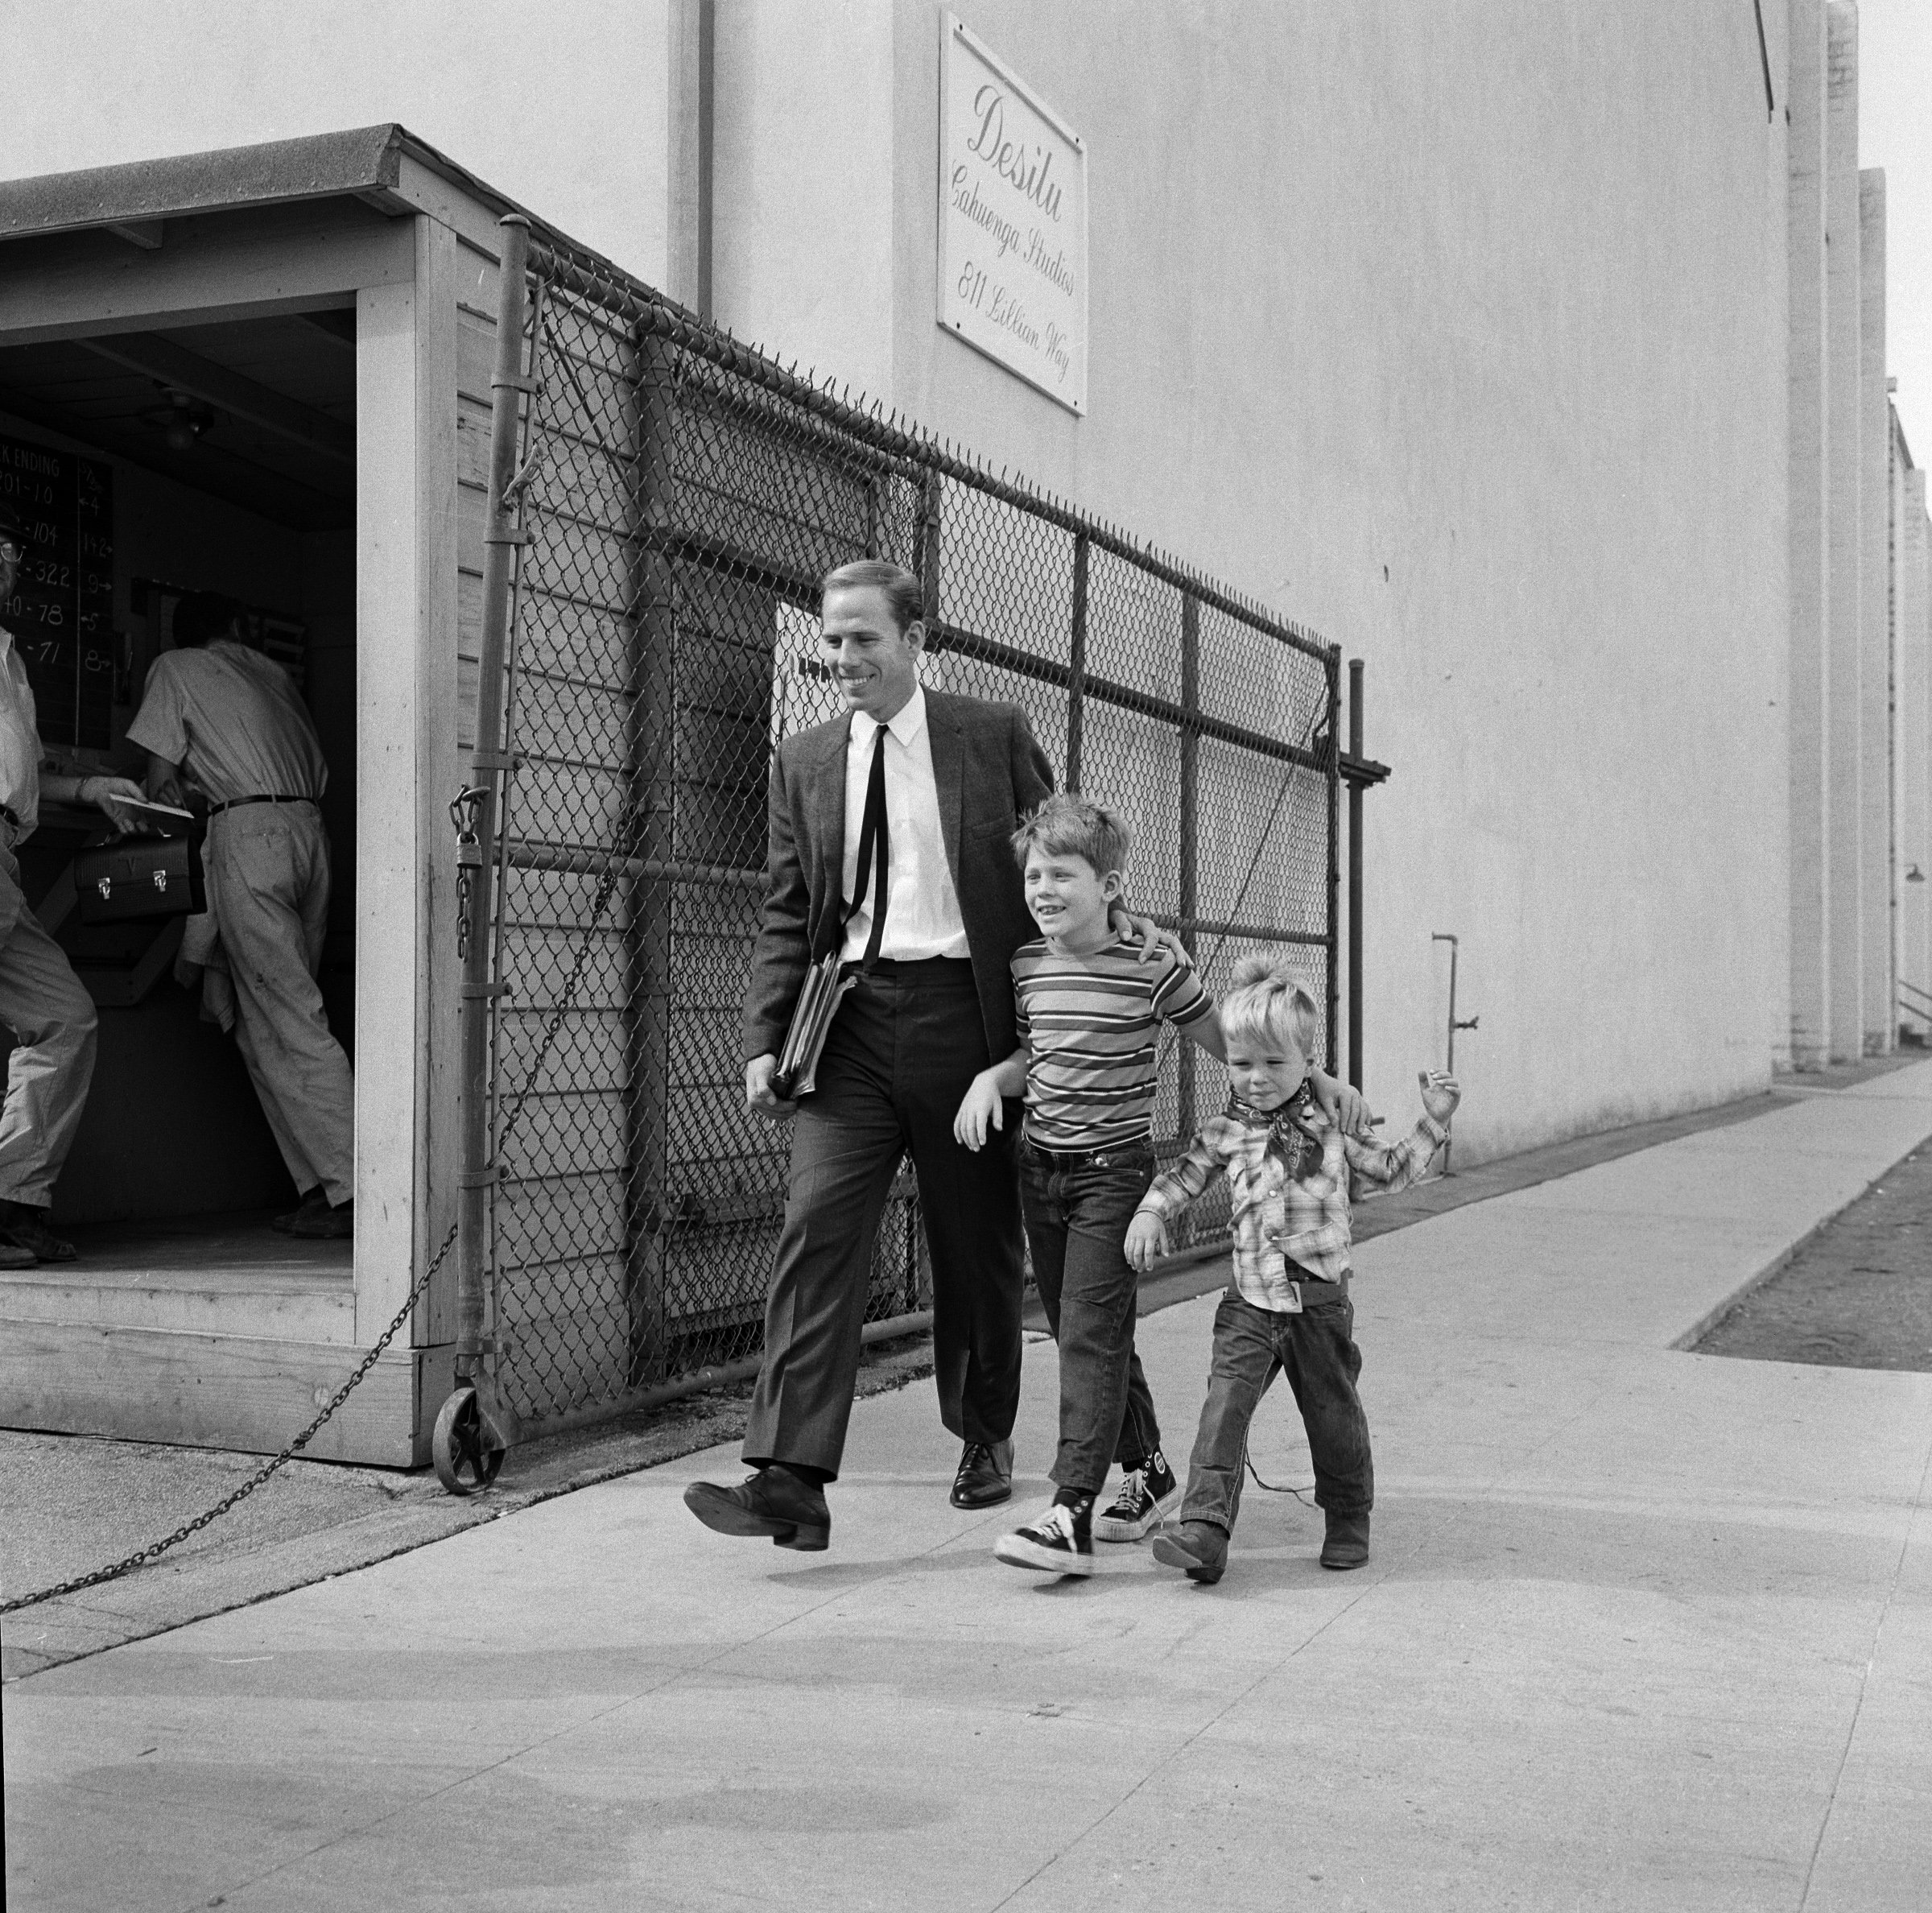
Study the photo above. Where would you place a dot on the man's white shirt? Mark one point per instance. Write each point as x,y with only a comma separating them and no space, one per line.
923,915
19,739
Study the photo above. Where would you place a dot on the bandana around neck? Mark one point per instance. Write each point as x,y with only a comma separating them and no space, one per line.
1287,1134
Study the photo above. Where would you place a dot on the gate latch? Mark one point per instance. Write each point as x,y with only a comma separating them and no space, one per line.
469,857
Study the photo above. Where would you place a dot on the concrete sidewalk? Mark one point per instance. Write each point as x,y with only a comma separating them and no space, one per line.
1642,1629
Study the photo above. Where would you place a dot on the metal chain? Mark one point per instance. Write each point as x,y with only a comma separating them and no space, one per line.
469,857
261,1474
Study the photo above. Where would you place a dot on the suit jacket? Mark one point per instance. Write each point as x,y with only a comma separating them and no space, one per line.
988,772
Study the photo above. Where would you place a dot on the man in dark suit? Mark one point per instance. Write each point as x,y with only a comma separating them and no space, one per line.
953,776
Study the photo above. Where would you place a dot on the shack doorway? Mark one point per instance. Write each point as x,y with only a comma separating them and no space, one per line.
216,457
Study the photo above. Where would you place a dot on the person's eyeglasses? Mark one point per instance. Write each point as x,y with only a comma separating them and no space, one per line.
9,552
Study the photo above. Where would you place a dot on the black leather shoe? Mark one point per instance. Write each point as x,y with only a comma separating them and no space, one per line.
1346,1544
773,1502
985,1476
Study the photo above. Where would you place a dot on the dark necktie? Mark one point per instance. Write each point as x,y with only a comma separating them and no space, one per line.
875,839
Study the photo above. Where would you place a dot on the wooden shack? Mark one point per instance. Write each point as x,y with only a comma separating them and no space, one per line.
263,371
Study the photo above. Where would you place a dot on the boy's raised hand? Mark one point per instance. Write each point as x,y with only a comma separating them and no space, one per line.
980,1113
1440,1093
1146,1238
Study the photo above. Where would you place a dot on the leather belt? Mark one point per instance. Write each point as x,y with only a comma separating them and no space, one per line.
941,969
1121,1156
215,810
1315,1290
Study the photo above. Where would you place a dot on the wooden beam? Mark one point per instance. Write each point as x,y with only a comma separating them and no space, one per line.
442,274
184,371
390,807
247,265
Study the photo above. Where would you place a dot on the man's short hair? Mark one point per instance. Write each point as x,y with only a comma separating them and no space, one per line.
903,593
202,616
12,525
1267,1003
1070,825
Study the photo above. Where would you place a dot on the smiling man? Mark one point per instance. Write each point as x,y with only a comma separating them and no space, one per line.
945,781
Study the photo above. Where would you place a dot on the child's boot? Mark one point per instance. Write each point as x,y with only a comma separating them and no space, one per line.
1346,1544
1198,1549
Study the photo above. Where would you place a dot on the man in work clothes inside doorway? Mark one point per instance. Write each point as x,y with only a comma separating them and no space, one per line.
42,1001
230,720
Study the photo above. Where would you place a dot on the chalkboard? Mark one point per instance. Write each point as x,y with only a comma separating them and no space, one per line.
61,613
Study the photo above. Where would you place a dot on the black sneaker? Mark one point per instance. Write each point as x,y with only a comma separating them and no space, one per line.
1146,1494
1060,1542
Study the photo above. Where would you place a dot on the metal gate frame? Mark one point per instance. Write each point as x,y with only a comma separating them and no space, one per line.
637,450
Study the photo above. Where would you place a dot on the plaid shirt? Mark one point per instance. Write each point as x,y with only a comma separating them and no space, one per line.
1287,1170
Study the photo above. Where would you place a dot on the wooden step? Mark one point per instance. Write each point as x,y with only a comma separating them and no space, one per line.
250,1393
212,1331
213,1275
276,1303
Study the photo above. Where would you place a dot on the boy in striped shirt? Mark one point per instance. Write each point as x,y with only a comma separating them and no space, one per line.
1089,1013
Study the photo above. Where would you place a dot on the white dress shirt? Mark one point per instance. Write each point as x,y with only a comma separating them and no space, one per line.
20,740
923,915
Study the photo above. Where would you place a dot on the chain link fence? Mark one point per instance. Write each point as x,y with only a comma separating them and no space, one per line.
679,498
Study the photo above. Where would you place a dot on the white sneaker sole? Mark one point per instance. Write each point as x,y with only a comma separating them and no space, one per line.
1106,1528
1016,1550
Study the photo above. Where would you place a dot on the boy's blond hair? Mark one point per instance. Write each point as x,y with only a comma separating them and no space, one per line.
1070,825
1268,1003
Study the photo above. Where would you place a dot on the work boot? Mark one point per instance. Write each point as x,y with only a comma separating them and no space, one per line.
985,1475
327,1223
312,1202
1346,1544
773,1502
22,1226
1198,1549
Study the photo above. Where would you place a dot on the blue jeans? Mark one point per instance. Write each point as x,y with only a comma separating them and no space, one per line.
1076,1226
1317,1349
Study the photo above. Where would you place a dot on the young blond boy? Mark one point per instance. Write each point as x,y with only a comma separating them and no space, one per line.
1287,1308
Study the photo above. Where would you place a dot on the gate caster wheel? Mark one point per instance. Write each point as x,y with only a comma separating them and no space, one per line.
466,1463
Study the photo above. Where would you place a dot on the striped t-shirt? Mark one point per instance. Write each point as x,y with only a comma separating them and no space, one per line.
1091,1025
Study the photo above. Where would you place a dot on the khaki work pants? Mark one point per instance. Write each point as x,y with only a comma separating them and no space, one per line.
268,880
53,1020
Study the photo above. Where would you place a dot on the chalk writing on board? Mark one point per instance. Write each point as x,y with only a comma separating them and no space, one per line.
61,612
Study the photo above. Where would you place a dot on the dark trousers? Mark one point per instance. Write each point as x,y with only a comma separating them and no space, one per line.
903,1050
1076,1226
1317,1349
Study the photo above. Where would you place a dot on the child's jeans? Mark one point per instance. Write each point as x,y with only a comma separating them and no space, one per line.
1077,1210
1251,1347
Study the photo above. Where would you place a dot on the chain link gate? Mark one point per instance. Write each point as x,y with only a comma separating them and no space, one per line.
675,499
